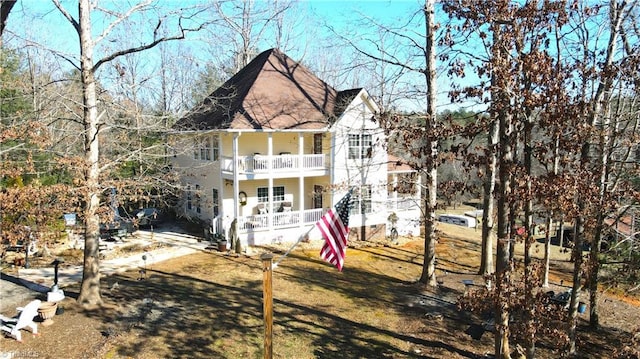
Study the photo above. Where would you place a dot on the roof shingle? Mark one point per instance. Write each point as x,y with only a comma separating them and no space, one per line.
271,92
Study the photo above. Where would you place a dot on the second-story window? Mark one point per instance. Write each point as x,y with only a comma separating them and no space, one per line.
215,148
317,143
362,201
203,148
360,146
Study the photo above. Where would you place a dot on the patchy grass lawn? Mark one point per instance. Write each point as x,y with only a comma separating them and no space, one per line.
209,305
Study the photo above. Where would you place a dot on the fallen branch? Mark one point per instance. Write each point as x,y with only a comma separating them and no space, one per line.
633,289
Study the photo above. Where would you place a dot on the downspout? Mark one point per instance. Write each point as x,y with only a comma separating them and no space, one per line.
216,226
331,166
301,179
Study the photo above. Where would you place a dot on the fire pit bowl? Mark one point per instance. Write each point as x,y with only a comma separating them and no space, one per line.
47,310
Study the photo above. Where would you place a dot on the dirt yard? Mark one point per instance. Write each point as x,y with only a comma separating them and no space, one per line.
209,305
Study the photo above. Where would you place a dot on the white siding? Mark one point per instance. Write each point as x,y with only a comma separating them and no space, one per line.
347,172
344,172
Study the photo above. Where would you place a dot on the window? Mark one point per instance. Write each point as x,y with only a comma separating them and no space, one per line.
362,201
202,149
205,150
317,196
215,148
317,143
198,209
278,194
216,202
189,198
360,146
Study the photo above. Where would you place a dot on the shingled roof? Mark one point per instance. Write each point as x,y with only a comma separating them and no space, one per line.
271,92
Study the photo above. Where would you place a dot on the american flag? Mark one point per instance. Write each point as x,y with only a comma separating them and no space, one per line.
334,226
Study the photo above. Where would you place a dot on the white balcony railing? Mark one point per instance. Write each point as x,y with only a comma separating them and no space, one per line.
403,204
259,222
260,163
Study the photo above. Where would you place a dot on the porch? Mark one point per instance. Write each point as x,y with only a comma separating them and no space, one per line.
403,204
296,218
279,220
311,164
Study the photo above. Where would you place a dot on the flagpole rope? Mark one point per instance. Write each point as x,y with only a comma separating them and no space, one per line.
275,264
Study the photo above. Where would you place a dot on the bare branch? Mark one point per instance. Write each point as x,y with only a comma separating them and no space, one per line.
150,45
395,61
120,18
68,16
11,148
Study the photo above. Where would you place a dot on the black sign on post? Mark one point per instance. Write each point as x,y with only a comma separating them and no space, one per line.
55,264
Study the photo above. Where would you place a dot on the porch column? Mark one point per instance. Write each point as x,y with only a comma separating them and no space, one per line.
394,195
270,179
301,179
217,226
418,185
236,182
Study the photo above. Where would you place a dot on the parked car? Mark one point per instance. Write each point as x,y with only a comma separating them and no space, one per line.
117,228
147,217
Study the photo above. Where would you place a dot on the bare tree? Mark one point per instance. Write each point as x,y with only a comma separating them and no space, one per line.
92,121
248,23
488,200
610,115
428,275
596,150
414,135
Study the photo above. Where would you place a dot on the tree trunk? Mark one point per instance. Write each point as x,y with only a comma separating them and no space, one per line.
547,238
486,259
503,251
607,133
528,240
514,205
616,14
90,288
501,103
577,275
428,276
594,267
547,250
561,232
594,262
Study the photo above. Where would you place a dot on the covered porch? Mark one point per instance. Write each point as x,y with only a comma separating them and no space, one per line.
282,164
278,220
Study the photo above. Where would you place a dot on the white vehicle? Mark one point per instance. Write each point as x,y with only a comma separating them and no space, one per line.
457,220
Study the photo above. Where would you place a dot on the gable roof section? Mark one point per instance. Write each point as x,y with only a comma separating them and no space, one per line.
271,92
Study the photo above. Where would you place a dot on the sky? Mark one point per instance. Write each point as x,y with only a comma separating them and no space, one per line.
39,21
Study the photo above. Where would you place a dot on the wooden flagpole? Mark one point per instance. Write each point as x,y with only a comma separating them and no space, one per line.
267,303
293,246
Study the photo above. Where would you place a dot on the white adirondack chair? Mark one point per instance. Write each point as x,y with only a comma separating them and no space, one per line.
23,320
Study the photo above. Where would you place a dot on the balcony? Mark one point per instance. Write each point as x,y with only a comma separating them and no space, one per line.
402,204
262,222
284,165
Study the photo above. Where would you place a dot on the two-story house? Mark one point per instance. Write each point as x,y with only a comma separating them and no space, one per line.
274,147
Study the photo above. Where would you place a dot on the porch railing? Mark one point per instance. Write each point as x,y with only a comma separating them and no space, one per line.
403,204
278,220
260,163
